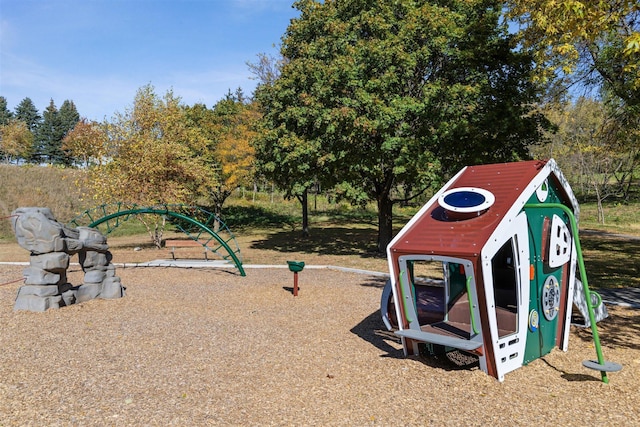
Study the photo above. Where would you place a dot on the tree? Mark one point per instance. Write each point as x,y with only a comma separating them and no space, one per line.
27,112
381,94
592,149
597,42
86,142
153,159
16,140
267,69
233,154
48,137
228,127
68,118
5,114
593,46
54,127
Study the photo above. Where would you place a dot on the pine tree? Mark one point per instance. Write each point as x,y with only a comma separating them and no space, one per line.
47,134
5,114
28,113
68,118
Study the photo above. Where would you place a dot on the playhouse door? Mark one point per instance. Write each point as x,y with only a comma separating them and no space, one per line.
550,285
505,264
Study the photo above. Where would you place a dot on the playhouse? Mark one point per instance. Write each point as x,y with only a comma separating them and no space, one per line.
488,267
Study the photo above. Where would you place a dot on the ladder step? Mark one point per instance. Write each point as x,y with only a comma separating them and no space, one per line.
445,340
605,367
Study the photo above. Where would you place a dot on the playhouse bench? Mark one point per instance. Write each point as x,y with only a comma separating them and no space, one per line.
186,243
454,332
436,338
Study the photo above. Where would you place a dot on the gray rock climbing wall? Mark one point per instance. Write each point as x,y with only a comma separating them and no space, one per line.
51,245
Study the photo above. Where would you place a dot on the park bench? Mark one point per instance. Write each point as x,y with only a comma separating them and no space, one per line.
187,243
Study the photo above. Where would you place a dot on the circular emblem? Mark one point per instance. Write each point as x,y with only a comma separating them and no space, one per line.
534,320
551,298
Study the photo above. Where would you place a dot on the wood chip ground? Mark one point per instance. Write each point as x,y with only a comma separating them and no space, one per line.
208,347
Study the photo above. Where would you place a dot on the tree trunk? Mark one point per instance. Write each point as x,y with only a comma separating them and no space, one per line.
385,222
600,207
304,201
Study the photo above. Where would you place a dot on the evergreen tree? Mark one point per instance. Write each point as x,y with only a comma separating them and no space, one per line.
68,118
28,113
48,134
55,126
5,114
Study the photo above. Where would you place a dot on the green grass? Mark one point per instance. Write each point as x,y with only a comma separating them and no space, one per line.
611,262
620,218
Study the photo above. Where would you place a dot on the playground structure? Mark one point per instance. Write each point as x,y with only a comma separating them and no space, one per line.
51,245
488,267
202,227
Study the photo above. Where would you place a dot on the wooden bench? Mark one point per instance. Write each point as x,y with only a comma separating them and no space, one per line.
186,243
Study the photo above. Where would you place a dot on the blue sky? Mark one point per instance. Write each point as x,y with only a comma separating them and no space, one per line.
98,53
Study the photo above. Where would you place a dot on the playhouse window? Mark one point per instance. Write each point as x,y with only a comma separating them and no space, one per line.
435,284
505,288
427,280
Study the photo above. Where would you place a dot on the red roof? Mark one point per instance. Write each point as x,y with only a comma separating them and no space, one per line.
433,233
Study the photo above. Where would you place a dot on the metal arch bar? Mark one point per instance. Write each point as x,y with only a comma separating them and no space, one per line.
153,211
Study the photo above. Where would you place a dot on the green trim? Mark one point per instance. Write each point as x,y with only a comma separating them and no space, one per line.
598,299
404,298
473,318
583,276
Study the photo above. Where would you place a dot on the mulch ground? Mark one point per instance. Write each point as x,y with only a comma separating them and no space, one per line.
208,347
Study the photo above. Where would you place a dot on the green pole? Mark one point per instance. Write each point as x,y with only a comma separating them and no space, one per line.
473,318
404,297
583,277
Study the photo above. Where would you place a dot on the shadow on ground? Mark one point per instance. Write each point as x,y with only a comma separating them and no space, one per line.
573,377
619,330
611,262
372,330
325,241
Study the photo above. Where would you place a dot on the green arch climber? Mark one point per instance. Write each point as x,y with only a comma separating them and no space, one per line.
204,222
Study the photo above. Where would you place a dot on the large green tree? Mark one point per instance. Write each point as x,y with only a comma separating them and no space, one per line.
47,135
388,93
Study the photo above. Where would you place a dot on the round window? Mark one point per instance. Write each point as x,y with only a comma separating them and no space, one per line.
466,202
